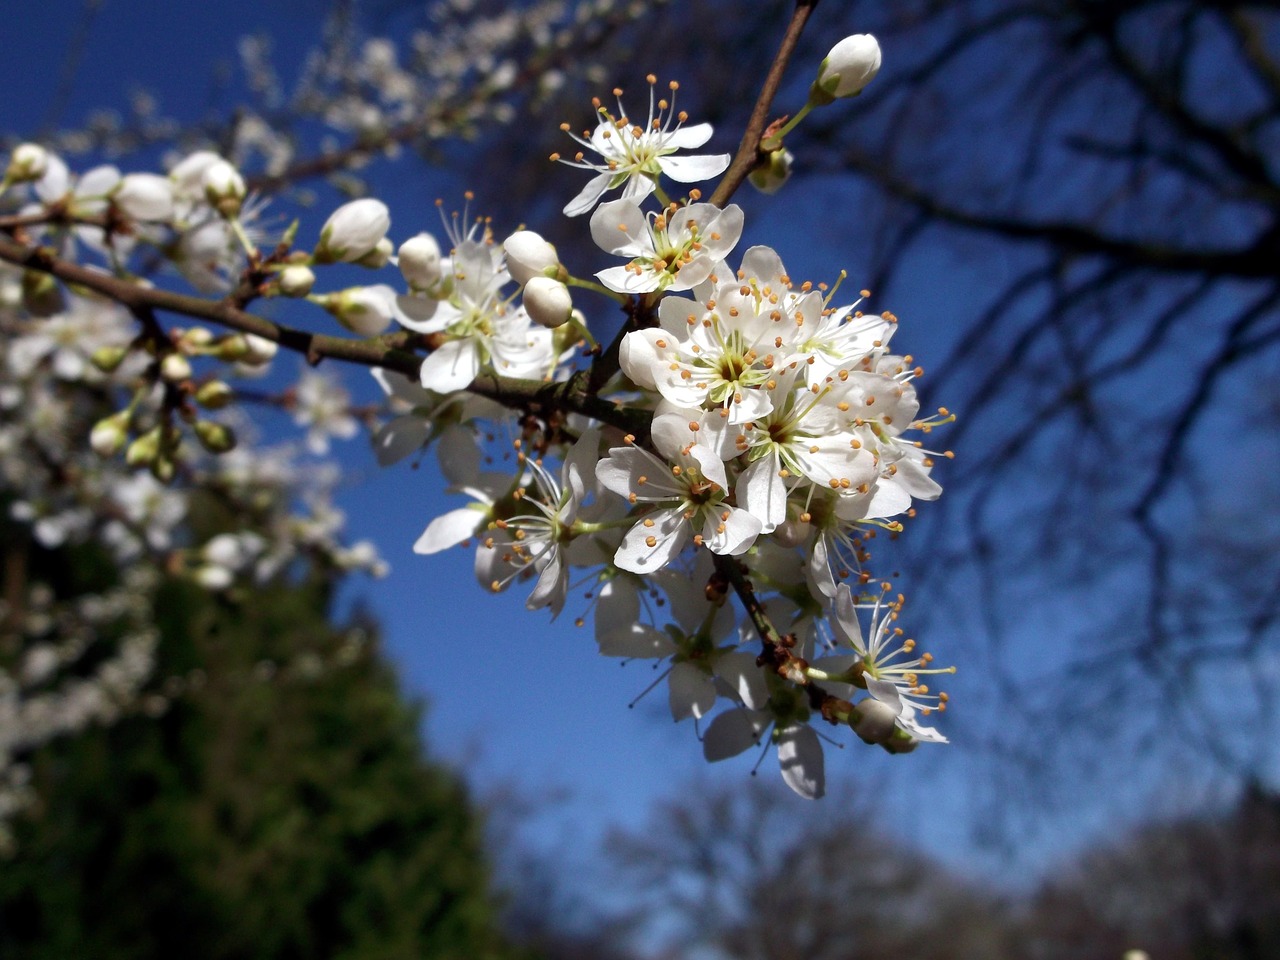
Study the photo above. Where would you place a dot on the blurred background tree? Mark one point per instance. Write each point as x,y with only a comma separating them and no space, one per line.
737,874
1097,186
271,799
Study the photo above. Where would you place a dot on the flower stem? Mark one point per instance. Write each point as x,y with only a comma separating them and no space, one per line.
621,298
775,141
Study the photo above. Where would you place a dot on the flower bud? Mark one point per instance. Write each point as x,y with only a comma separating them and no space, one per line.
419,261
41,294
379,256
231,349
850,66
296,280
109,435
145,196
900,742
108,359
770,177
214,437
225,550
352,231
175,368
873,721
144,450
366,311
529,256
28,162
197,338
260,350
223,187
213,577
569,335
214,395
163,468
547,302
187,176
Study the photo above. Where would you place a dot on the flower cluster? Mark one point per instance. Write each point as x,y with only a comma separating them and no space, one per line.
708,484
781,435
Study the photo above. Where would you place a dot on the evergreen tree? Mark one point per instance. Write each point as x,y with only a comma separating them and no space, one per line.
281,807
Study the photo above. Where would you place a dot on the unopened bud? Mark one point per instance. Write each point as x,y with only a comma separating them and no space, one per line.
901,742
108,359
352,231
42,294
366,311
770,177
223,187
163,468
214,437
144,450
231,349
547,302
187,175
847,68
145,196
175,368
419,261
213,577
296,280
379,256
873,721
529,256
197,338
260,350
570,334
214,395
28,162
109,435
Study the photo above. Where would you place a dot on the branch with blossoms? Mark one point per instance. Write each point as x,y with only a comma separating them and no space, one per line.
744,435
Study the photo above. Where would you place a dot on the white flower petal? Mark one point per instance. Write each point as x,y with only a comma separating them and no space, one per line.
552,585
622,280
690,693
695,169
762,492
732,732
449,530
398,438
740,670
800,757
452,367
421,314
621,228
732,535
636,640
588,196
669,534
688,137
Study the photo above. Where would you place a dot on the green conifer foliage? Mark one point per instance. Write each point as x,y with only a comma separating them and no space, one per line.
280,807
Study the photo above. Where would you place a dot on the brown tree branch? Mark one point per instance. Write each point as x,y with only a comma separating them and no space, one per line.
749,155
393,351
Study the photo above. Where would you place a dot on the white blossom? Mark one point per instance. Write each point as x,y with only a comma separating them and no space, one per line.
671,250
633,155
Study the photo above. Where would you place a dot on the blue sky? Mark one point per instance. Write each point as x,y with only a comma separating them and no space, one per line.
513,699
